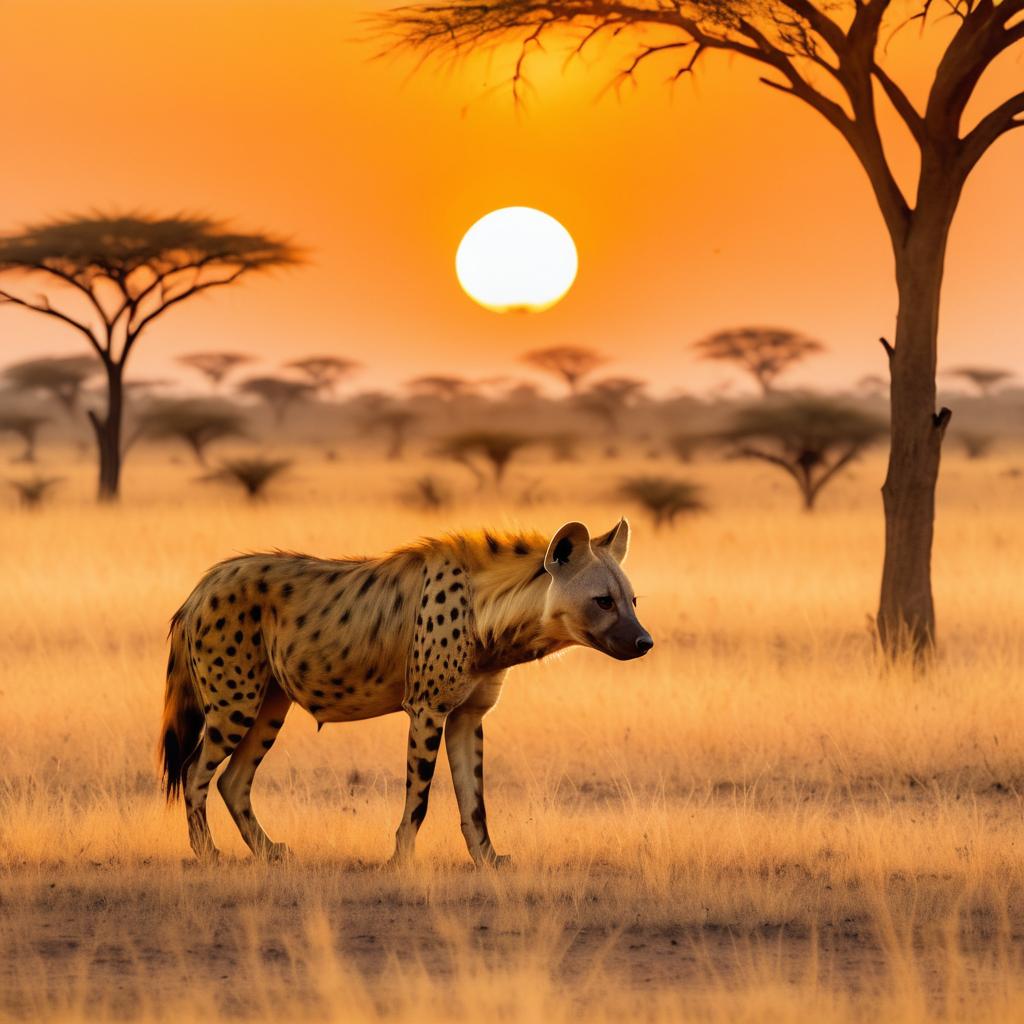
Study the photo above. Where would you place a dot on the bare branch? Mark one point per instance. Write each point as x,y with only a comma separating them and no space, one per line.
996,123
48,310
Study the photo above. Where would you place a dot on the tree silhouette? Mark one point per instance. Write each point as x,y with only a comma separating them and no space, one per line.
198,424
24,425
394,422
608,399
570,363
663,498
116,276
60,377
252,474
215,366
812,439
443,388
495,447
831,56
985,378
975,444
324,372
764,352
278,393
32,492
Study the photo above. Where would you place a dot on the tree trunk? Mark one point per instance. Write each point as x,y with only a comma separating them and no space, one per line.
108,435
906,613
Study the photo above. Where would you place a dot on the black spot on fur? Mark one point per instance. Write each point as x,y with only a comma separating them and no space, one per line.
367,583
255,613
493,544
287,590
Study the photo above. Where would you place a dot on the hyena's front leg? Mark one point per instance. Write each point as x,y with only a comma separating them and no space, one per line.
425,729
464,742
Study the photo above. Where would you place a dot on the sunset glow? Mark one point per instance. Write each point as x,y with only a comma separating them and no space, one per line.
516,260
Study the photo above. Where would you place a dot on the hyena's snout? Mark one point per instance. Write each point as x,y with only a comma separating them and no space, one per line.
629,640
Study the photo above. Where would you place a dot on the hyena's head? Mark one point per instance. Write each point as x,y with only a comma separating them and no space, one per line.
590,601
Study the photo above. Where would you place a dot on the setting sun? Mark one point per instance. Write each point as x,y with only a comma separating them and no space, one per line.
516,259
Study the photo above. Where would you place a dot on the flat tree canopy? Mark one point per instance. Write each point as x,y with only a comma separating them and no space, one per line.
115,275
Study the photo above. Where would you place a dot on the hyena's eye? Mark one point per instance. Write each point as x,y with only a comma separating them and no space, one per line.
605,602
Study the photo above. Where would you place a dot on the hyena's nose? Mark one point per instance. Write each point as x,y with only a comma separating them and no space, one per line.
644,643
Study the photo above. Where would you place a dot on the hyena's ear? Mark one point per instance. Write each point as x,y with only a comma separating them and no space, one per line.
615,541
569,549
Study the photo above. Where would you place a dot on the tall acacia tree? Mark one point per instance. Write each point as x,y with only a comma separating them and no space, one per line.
115,276
829,55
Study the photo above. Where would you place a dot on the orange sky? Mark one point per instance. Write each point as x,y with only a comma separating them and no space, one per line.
716,203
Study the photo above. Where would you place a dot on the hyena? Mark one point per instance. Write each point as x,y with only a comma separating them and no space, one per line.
431,629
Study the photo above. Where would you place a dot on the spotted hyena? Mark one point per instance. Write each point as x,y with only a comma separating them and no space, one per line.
430,629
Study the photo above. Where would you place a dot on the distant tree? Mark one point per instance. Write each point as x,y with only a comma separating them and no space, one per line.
215,366
568,362
608,399
663,498
324,372
985,378
253,474
24,425
563,445
873,385
60,377
684,446
279,393
443,388
119,274
394,422
428,493
976,445
32,492
810,438
764,352
495,447
198,424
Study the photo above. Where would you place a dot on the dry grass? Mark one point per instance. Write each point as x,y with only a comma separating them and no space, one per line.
758,821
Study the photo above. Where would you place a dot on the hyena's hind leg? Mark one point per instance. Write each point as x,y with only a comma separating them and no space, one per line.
226,726
235,784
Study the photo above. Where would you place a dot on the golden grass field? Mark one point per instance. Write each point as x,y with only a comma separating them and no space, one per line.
759,821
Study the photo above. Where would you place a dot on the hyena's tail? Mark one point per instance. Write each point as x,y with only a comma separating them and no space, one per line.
183,720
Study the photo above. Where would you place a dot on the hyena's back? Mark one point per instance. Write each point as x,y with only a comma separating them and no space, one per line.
334,635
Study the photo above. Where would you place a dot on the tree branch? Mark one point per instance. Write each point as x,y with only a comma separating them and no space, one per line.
45,307
997,122
135,330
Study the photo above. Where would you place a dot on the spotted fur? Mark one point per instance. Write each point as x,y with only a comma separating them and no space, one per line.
430,629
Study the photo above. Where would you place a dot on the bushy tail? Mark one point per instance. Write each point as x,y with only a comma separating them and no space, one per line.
183,720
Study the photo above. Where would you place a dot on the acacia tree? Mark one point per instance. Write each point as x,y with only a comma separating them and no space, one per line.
830,56
570,363
812,439
609,398
324,372
985,378
279,393
197,424
115,276
214,366
764,352
60,377
24,425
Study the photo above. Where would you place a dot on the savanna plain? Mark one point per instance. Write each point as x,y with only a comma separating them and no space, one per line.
758,821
